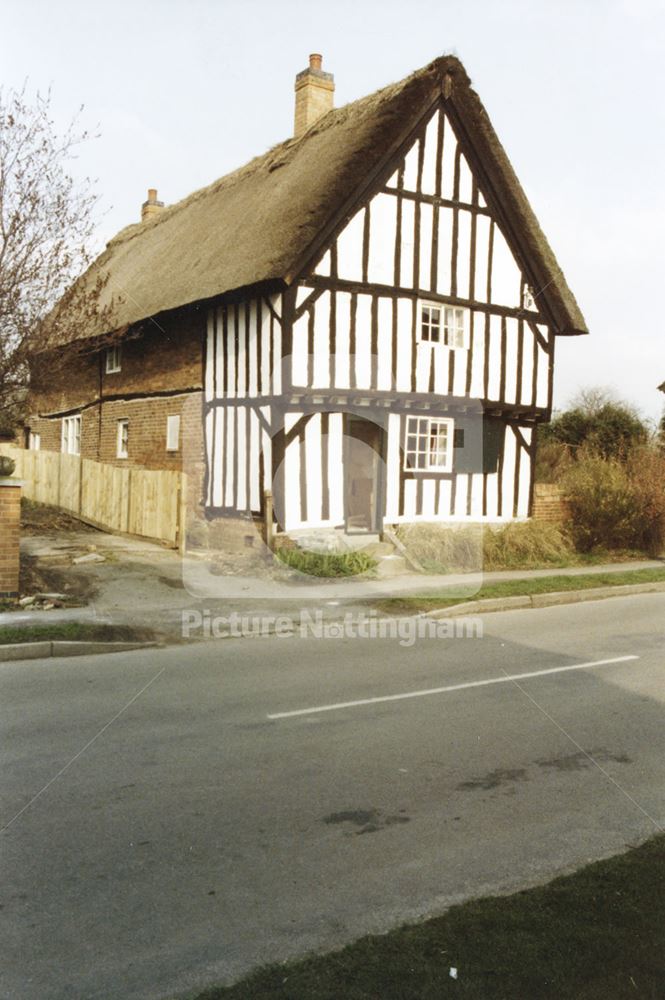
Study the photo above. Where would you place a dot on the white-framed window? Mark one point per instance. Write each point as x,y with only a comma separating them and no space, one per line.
71,435
430,322
34,441
441,324
113,358
429,444
173,432
123,439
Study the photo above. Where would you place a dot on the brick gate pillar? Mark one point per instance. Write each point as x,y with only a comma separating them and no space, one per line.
10,522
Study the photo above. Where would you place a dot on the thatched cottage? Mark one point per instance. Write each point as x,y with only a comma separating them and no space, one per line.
363,321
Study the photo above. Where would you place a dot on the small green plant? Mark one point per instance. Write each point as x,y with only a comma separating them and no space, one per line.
326,564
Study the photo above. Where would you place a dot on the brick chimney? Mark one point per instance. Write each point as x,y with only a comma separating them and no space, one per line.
151,206
314,94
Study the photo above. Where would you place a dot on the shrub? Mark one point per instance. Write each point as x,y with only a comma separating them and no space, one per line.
553,459
609,426
600,502
618,504
645,468
326,564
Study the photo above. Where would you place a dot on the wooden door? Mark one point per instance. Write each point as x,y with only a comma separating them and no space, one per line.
363,475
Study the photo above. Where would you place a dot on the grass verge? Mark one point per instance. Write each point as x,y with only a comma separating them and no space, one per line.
595,935
72,632
513,588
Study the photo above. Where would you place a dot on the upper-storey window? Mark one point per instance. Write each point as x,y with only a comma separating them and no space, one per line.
113,359
440,324
71,435
430,322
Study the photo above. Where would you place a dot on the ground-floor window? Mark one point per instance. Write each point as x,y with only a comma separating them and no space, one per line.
172,432
123,439
429,444
34,441
71,435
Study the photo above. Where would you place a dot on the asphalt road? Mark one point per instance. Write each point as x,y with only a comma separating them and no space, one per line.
168,822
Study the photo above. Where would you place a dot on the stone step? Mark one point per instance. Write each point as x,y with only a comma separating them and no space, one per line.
377,550
393,565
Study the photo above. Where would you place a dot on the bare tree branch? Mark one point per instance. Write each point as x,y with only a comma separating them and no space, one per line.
47,221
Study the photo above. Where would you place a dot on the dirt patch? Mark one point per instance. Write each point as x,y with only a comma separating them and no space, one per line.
36,578
174,584
40,519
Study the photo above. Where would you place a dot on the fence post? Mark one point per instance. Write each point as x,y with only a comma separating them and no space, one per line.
128,505
182,512
80,500
267,518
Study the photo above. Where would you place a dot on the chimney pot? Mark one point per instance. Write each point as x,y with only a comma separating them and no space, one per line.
151,206
314,94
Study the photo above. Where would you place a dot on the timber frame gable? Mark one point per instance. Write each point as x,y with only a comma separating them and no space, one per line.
322,273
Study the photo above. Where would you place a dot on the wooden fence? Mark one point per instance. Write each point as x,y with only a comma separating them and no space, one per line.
136,501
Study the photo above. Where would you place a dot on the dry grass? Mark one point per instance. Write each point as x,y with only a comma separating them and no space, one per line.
524,545
527,545
441,549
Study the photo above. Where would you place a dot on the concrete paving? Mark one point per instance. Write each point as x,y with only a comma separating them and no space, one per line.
146,585
169,822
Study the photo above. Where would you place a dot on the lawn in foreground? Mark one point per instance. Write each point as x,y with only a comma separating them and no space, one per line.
598,934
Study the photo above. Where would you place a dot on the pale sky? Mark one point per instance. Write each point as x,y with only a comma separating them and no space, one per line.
183,92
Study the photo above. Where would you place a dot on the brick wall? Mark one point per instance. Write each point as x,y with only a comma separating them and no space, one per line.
10,522
165,358
548,503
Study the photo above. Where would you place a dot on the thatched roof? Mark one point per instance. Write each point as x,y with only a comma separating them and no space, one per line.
256,224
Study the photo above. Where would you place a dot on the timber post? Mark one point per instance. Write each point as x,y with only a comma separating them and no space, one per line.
267,518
